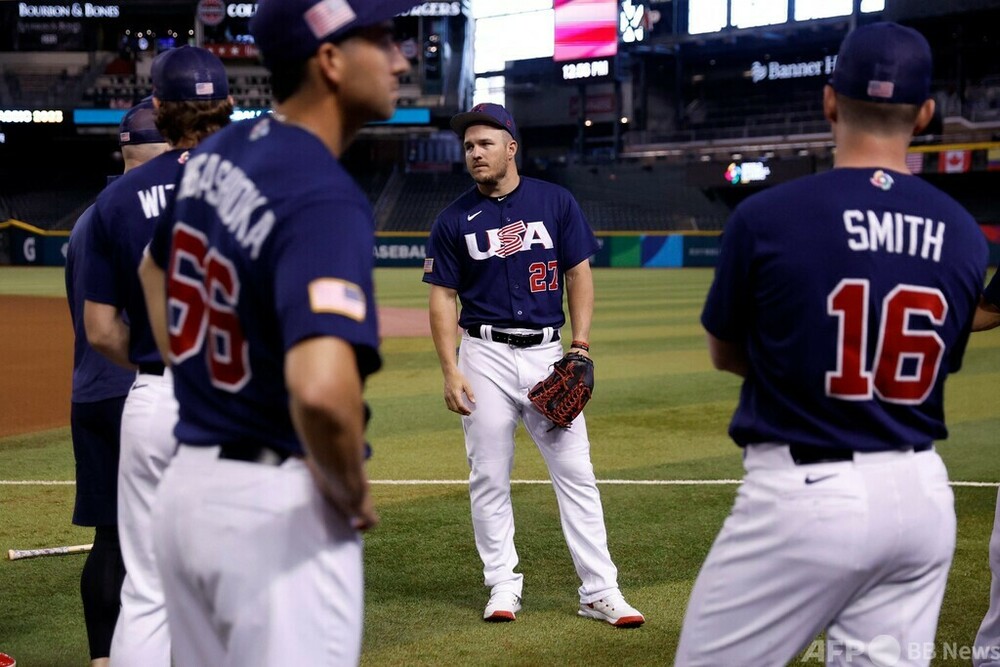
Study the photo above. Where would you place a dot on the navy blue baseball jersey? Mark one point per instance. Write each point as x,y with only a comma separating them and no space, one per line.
95,378
125,215
853,292
506,256
270,243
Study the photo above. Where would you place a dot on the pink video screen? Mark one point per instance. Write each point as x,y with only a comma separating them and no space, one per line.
585,29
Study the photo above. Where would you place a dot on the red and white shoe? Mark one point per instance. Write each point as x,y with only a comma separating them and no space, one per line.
614,610
502,608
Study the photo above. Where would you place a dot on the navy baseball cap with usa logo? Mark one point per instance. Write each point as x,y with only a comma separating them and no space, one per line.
189,73
292,30
884,62
138,125
484,114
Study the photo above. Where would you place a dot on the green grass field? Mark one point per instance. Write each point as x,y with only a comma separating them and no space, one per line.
659,413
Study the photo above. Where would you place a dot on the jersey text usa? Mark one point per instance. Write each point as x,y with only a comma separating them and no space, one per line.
509,239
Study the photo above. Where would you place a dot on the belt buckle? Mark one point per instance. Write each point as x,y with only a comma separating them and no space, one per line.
269,457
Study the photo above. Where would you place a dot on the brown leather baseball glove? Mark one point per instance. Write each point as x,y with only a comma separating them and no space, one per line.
565,392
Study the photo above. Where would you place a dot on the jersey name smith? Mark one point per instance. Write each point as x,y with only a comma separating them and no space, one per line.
894,232
509,239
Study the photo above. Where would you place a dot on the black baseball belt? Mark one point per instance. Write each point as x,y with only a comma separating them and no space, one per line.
151,368
489,332
254,453
808,454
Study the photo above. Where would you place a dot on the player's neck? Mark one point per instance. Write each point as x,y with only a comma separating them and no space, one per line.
862,151
501,188
317,119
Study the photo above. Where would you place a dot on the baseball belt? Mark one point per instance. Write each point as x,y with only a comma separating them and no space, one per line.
807,454
253,453
152,368
488,332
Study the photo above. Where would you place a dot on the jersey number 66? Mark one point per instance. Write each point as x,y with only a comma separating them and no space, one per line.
202,294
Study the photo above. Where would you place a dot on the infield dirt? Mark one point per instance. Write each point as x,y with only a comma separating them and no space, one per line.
36,358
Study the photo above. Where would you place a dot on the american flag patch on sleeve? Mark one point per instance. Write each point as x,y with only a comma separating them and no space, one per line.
331,295
428,265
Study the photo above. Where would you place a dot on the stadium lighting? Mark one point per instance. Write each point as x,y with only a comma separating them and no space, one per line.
588,122
624,120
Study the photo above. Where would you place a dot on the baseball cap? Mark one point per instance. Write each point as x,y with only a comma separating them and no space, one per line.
884,62
138,125
292,30
484,114
189,73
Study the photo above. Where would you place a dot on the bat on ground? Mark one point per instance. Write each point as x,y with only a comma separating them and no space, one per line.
18,554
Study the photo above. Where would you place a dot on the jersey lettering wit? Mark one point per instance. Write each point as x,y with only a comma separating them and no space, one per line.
125,215
270,243
506,257
853,291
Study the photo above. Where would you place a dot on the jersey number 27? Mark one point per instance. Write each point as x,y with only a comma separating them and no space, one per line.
907,360
203,291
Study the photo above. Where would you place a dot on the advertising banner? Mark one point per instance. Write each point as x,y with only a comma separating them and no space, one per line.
33,247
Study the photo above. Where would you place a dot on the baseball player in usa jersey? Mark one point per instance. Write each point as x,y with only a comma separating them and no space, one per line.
270,326
99,391
507,249
986,651
844,300
191,95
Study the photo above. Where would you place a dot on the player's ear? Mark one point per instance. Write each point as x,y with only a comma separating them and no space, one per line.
924,116
511,148
829,103
330,62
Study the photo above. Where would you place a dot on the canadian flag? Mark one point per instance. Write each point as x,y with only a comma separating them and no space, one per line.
954,162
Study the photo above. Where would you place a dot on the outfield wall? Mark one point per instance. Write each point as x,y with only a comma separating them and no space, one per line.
617,249
29,245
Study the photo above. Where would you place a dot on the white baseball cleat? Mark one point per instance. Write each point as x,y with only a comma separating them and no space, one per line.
615,610
502,607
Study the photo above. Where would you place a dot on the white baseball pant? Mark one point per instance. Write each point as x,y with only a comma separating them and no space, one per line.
859,548
501,376
258,568
141,637
986,651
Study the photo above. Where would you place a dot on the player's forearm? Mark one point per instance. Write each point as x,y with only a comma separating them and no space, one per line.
328,414
154,289
335,446
728,356
107,332
987,316
444,325
580,297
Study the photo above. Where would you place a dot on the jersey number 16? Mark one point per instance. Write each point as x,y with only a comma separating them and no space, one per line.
907,360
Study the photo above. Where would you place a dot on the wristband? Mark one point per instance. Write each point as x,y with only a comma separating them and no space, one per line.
581,345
